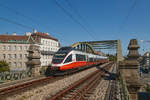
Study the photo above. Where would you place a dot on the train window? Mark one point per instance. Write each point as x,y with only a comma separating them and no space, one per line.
91,59
69,59
80,57
65,49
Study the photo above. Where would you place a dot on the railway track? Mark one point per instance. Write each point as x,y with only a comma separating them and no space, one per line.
82,88
8,84
24,85
112,91
14,87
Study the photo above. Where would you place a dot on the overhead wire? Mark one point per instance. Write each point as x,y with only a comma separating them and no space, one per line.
16,23
73,18
22,25
25,16
128,15
80,16
17,12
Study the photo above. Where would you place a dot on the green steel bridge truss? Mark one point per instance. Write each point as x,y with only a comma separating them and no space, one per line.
92,46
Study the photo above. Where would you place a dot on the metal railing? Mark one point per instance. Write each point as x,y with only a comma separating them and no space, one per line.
124,91
18,75
11,76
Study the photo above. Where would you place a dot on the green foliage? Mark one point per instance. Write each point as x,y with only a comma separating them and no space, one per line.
147,88
43,69
112,57
4,66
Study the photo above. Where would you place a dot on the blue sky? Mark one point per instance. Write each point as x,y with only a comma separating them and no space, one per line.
104,19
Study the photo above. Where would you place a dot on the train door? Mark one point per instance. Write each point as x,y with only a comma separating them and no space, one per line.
73,57
87,60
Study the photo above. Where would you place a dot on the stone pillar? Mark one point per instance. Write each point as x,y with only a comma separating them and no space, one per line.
34,60
119,51
129,68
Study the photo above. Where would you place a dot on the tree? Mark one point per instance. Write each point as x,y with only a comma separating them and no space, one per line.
112,57
4,66
147,88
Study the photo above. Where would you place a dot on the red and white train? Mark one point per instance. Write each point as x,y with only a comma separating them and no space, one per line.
67,59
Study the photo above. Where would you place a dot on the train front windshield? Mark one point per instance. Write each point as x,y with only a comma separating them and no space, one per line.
60,55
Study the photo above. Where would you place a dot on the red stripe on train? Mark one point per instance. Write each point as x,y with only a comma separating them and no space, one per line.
81,64
73,65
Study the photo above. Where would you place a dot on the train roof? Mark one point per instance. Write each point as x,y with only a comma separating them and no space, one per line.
69,48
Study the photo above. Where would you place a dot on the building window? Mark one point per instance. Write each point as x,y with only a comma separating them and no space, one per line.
4,48
20,64
9,63
9,56
9,47
15,64
25,55
20,48
15,56
4,56
14,48
24,64
25,47
20,56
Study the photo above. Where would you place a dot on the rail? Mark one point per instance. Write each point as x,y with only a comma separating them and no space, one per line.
79,89
111,93
4,91
24,85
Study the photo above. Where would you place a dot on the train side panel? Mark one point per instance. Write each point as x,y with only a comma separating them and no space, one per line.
74,59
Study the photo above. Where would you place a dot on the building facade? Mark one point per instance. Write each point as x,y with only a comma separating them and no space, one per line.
13,49
146,60
48,46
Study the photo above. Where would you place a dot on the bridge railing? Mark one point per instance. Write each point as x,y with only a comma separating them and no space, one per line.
124,91
18,75
15,75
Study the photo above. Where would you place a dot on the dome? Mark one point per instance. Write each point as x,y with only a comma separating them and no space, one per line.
147,53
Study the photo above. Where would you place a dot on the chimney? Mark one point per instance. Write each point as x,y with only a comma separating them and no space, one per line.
14,33
28,33
34,31
47,33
